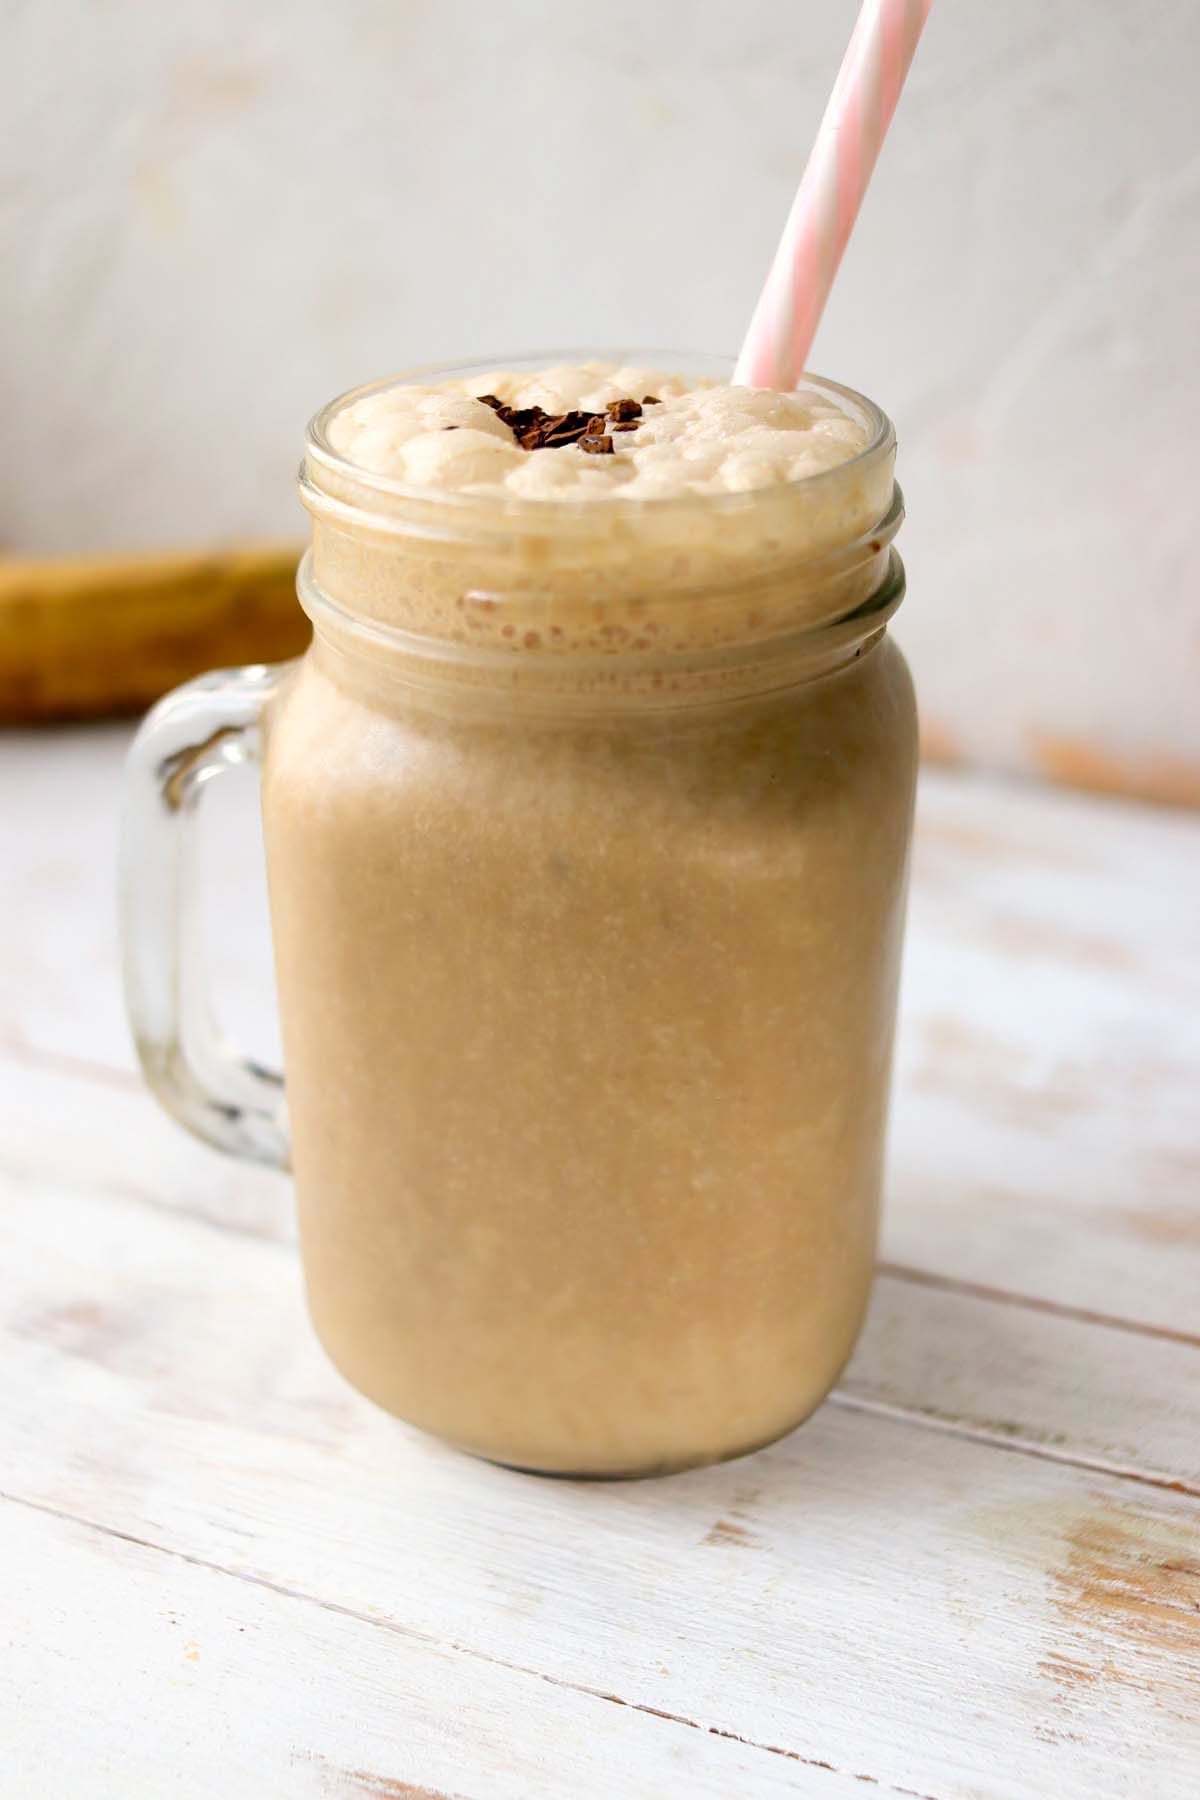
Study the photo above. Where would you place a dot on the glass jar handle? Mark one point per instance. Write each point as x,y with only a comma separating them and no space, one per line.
196,734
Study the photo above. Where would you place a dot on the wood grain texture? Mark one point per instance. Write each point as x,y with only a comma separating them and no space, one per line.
1043,1136
975,1575
1100,1394
869,1594
181,1680
88,637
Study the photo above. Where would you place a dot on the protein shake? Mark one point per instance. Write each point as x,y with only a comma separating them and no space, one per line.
587,821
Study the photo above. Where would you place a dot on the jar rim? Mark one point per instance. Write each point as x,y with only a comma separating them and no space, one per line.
583,682
520,512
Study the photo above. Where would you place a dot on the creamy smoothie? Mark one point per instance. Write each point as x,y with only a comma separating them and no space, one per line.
587,820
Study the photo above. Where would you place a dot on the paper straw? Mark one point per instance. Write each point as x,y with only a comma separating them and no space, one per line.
830,193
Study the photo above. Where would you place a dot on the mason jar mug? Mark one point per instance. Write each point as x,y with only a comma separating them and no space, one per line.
586,832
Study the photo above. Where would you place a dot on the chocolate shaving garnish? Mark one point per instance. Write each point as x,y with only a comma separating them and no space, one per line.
567,428
624,425
624,409
651,400
517,418
535,429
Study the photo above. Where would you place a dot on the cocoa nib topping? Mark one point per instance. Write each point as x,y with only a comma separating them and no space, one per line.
535,429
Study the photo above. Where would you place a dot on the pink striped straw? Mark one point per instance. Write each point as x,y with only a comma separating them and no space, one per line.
830,193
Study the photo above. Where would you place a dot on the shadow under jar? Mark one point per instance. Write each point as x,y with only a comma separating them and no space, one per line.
587,831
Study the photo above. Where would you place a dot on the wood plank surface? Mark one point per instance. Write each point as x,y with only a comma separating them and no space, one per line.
183,1680
940,1614
1090,1391
1048,1061
1049,1052
976,1573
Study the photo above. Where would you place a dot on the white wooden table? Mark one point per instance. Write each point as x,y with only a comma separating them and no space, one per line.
975,1573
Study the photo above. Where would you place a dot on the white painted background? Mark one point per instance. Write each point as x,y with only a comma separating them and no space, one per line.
215,216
